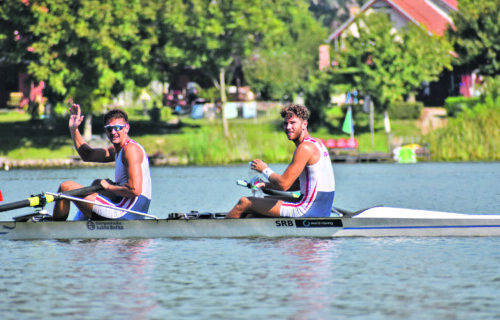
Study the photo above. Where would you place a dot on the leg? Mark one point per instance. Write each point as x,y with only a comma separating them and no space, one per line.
62,207
264,206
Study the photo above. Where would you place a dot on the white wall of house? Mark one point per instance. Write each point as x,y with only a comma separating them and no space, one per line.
397,18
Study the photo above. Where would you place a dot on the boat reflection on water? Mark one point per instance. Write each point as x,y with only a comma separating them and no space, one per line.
123,263
312,270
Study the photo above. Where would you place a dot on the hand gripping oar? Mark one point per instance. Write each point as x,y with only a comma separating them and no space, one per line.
42,199
290,194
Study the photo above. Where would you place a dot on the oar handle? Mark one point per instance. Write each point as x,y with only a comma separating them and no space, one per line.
291,194
41,200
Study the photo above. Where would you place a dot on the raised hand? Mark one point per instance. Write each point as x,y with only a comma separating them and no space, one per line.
76,117
258,165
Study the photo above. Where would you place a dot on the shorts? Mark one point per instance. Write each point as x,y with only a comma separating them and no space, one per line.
320,207
140,203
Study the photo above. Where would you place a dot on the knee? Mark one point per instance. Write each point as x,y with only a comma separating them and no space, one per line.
244,202
66,186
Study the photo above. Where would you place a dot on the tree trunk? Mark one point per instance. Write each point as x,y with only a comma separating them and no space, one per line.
223,102
87,131
372,125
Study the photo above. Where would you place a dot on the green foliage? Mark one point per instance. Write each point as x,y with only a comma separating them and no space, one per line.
405,110
476,35
333,13
317,98
165,114
491,87
386,63
15,21
218,35
80,49
210,94
472,136
282,63
455,105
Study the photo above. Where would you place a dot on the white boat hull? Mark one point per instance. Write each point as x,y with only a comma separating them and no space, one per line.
373,222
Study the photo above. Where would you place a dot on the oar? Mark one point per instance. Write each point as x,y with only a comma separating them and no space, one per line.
42,199
290,194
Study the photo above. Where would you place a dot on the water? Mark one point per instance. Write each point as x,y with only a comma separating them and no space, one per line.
391,278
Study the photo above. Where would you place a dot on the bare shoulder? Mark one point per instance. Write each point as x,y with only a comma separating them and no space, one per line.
307,147
133,151
309,151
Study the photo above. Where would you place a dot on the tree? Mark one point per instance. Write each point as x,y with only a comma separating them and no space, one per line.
331,13
216,36
88,50
386,63
169,51
15,36
282,65
476,35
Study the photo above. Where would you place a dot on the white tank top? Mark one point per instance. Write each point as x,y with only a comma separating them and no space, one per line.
319,176
121,171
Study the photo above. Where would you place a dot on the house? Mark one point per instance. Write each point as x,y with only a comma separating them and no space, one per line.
432,15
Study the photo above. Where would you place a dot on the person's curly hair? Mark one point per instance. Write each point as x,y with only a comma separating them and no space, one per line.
295,110
115,114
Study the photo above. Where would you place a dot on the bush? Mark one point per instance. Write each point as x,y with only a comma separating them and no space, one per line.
491,87
405,110
166,114
472,136
455,105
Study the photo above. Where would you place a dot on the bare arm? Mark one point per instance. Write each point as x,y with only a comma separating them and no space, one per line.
86,152
132,159
305,154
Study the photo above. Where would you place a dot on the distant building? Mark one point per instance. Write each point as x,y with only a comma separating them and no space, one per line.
432,15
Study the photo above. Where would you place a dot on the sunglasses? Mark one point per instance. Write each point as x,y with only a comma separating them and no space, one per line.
116,127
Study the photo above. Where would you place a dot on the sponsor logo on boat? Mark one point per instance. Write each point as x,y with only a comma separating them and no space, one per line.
324,223
9,228
104,225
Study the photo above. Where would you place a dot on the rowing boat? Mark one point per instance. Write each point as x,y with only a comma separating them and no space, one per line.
370,222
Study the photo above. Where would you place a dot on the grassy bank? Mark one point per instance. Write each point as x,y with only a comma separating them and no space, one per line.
202,142
474,135
192,142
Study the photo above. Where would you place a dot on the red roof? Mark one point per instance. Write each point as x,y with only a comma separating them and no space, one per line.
452,3
425,14
432,15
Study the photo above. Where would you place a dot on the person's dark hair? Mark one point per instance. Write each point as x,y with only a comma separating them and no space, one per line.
295,110
115,114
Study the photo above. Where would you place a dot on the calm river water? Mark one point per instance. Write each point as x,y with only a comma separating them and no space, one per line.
392,278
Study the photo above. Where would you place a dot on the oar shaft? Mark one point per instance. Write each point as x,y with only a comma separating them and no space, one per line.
15,205
61,196
80,192
41,200
273,192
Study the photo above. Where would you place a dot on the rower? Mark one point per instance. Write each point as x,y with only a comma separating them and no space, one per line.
310,171
132,186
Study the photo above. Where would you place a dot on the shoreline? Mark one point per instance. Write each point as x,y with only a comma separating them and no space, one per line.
75,162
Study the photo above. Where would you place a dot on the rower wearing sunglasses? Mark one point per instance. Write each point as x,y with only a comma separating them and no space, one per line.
131,189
